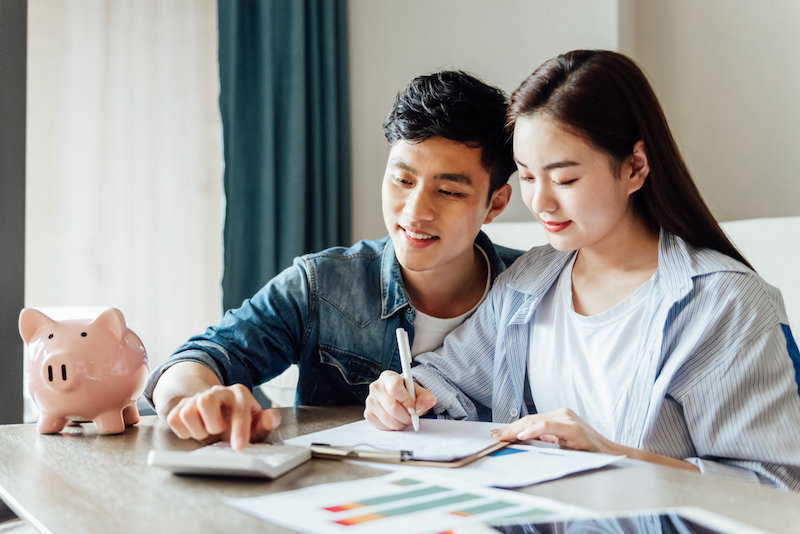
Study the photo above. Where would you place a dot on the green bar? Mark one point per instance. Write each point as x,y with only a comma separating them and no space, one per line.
401,496
489,507
428,505
535,512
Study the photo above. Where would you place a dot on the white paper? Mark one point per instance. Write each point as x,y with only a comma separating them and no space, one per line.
438,439
404,502
517,466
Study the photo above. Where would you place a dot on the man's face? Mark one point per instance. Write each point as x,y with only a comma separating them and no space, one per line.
434,203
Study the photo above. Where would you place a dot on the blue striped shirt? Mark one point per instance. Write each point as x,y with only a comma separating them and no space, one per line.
716,383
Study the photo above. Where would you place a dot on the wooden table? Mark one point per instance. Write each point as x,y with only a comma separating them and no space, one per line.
82,482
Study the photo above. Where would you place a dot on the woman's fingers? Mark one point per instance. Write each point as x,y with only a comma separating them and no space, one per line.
389,405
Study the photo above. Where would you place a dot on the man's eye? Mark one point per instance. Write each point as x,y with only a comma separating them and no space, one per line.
566,182
450,193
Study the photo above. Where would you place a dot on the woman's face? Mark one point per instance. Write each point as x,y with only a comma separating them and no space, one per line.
570,185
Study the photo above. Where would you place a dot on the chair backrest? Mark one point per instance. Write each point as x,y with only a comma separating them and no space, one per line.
519,235
771,245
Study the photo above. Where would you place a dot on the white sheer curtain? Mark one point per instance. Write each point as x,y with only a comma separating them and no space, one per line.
124,163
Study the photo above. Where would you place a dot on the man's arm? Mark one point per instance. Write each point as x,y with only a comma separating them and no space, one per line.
191,400
184,379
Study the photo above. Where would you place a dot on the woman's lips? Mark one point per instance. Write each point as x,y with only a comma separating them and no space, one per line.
555,227
418,239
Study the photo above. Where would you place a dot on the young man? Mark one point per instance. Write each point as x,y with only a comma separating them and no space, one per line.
335,313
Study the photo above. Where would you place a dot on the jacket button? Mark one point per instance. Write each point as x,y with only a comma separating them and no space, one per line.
513,412
408,310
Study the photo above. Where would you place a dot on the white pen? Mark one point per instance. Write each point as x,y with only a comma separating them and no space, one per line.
405,363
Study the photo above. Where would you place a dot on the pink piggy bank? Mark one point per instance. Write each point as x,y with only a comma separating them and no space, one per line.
84,370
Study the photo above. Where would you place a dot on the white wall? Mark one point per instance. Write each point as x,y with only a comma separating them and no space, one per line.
501,41
728,76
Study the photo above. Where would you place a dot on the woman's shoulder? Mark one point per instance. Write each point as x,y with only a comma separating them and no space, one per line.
725,283
533,265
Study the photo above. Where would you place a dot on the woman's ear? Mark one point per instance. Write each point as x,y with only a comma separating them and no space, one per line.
636,168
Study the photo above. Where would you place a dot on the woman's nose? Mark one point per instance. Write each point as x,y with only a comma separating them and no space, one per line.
542,200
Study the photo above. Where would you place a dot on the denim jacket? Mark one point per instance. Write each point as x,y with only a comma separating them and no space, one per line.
333,313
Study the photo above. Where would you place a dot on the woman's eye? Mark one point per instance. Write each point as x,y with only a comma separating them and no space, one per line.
401,181
525,178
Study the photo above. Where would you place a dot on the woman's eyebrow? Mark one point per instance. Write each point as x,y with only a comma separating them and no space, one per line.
551,166
560,165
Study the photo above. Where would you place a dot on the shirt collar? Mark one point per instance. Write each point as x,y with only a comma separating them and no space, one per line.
393,292
678,263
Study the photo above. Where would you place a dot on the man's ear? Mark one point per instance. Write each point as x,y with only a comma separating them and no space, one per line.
498,203
636,168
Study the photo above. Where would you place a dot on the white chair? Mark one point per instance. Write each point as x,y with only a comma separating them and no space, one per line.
771,245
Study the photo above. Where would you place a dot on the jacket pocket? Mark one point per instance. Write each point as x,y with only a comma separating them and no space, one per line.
354,369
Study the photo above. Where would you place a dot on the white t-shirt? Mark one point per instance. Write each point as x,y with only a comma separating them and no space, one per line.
429,331
584,363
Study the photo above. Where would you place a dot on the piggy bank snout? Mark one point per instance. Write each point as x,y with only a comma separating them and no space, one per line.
60,373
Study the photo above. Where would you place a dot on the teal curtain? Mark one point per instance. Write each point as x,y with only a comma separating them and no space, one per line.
284,105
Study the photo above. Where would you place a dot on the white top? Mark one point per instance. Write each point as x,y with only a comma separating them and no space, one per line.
585,363
429,331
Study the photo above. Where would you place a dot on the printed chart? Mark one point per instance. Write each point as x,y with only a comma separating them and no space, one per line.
402,502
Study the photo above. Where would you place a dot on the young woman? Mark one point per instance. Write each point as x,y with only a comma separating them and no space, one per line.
641,330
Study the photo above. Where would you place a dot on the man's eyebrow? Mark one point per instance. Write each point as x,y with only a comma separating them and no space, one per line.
400,164
447,176
455,177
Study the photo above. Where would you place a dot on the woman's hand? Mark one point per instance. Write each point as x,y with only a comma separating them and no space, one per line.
389,405
569,431
562,427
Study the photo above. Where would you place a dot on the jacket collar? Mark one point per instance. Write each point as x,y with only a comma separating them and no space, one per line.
393,292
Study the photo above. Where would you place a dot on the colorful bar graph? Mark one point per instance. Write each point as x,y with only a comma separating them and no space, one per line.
413,508
387,498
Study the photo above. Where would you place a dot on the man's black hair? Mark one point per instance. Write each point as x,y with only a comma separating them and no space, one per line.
457,106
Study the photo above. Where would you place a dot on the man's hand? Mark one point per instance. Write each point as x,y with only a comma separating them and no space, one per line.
191,400
223,413
389,405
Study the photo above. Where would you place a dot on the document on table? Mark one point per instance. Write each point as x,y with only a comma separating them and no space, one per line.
440,440
404,502
444,439
520,465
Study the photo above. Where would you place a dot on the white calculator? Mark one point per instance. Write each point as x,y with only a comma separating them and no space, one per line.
256,460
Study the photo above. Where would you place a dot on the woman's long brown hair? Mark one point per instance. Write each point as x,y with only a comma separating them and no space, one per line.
606,97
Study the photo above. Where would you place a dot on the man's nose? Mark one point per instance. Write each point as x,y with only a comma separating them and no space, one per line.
419,205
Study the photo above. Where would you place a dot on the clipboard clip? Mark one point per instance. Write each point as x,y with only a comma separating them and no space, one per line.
325,450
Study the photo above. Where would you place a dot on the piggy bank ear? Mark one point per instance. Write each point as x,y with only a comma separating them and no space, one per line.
30,321
113,320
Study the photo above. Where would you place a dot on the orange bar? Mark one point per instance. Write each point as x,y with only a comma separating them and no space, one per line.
344,507
359,519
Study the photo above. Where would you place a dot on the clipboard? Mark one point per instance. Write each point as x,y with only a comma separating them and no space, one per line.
332,452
